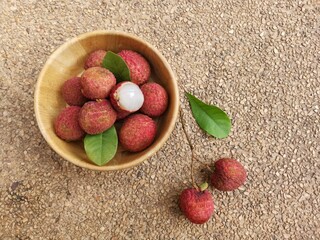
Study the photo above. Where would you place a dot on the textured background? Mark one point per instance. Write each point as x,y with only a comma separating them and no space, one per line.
258,60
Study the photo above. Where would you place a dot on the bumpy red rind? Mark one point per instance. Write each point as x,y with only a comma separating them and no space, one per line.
66,125
228,174
137,132
196,205
138,66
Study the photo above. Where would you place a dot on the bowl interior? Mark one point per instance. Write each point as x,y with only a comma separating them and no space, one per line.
68,61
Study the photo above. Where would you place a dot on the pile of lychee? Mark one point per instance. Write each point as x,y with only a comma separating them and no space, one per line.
96,101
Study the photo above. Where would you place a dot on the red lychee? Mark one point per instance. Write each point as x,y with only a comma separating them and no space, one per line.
71,92
137,132
138,66
97,82
66,125
122,114
155,99
196,205
95,59
228,174
97,116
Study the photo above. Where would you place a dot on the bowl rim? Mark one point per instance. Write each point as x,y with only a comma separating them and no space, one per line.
84,164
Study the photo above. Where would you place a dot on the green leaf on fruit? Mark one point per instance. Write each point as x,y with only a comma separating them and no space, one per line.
115,64
101,148
210,118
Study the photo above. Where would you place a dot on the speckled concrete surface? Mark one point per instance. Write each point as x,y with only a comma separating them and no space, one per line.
258,60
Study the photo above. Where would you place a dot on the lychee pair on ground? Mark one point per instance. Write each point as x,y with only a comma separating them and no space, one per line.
96,102
197,203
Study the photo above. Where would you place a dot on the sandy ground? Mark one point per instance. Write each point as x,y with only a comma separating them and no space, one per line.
258,60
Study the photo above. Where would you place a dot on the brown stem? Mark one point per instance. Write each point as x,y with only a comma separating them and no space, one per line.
204,164
192,175
191,148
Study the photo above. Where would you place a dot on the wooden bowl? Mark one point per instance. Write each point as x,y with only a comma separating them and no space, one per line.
68,61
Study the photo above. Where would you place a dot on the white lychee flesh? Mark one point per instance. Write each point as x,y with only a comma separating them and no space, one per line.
130,97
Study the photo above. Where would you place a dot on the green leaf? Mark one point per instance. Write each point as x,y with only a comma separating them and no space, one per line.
115,64
101,148
210,118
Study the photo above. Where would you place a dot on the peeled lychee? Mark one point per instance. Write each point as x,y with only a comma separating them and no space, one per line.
66,125
196,205
126,97
97,82
97,116
138,66
71,92
228,174
95,59
155,99
137,132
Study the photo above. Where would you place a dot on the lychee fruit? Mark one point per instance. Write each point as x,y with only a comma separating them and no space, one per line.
155,99
228,174
97,116
71,92
196,205
126,97
137,132
122,114
138,66
95,59
66,125
97,82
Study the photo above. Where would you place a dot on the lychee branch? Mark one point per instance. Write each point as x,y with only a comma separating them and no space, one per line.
227,174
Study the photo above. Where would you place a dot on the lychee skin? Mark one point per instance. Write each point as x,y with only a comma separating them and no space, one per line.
126,97
71,92
138,66
196,205
155,99
228,174
66,125
95,59
97,82
97,116
137,132
122,115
